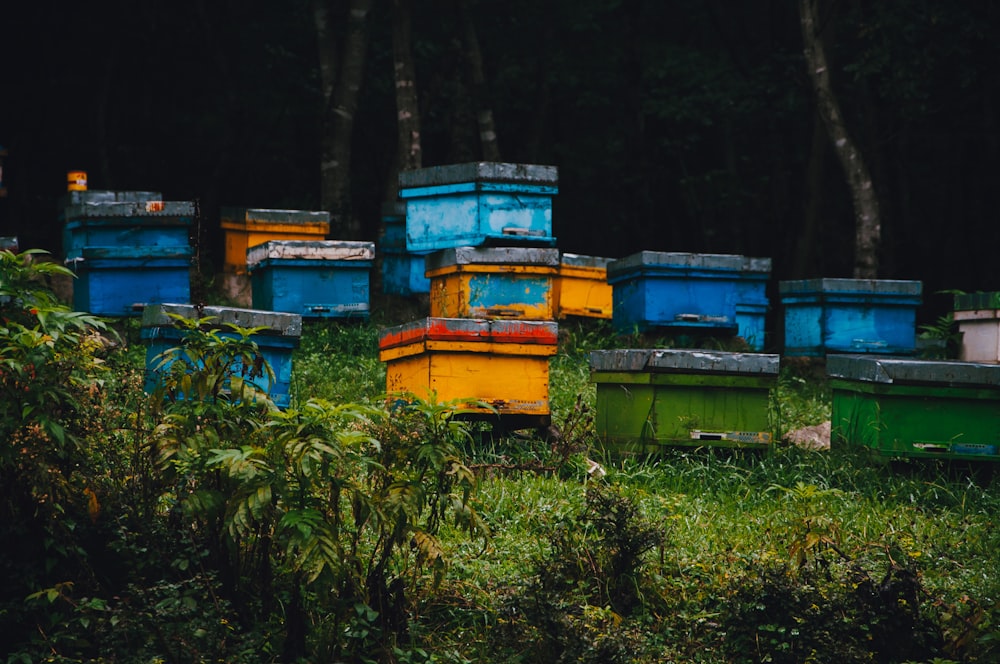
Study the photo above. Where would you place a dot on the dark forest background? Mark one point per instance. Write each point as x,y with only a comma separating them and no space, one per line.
676,125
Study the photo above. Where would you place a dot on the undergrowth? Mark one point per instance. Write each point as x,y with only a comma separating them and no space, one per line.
341,529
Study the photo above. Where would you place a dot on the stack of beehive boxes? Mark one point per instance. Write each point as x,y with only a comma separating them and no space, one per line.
648,398
908,406
128,249
491,264
279,260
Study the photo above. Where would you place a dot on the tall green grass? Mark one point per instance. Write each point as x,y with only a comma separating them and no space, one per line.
725,516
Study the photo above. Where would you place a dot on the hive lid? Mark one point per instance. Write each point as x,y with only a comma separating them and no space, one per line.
340,250
669,259
274,216
577,260
874,286
110,196
133,253
890,370
482,171
977,301
274,322
146,208
684,361
470,329
492,256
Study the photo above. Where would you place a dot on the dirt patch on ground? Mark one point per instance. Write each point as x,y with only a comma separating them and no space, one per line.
811,438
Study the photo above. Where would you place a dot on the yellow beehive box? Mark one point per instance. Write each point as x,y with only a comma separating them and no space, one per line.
493,282
245,228
503,363
582,287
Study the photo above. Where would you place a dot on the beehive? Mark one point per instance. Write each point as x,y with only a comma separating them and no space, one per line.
402,270
978,319
476,204
316,279
648,399
721,293
582,288
121,281
248,227
904,407
503,363
125,224
493,282
280,335
849,316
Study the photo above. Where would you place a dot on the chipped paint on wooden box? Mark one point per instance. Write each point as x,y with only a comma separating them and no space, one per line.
648,399
126,224
247,227
316,279
479,203
493,282
502,363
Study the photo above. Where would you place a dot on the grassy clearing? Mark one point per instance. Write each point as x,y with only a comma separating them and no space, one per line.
735,530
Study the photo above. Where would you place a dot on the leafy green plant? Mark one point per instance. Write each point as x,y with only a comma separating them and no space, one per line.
941,339
346,497
51,376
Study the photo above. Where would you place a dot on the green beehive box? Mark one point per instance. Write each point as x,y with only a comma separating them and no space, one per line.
916,408
649,399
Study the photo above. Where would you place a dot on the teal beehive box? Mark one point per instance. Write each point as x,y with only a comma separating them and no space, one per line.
476,204
650,399
125,222
906,407
312,278
402,269
823,316
277,338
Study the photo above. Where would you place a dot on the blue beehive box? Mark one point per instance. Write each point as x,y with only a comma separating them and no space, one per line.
280,335
393,226
720,293
849,316
481,203
402,270
403,274
124,223
316,279
121,281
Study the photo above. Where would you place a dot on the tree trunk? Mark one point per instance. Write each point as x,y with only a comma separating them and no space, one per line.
488,146
865,201
805,254
407,109
340,96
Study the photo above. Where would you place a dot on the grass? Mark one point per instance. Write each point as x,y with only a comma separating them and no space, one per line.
724,516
